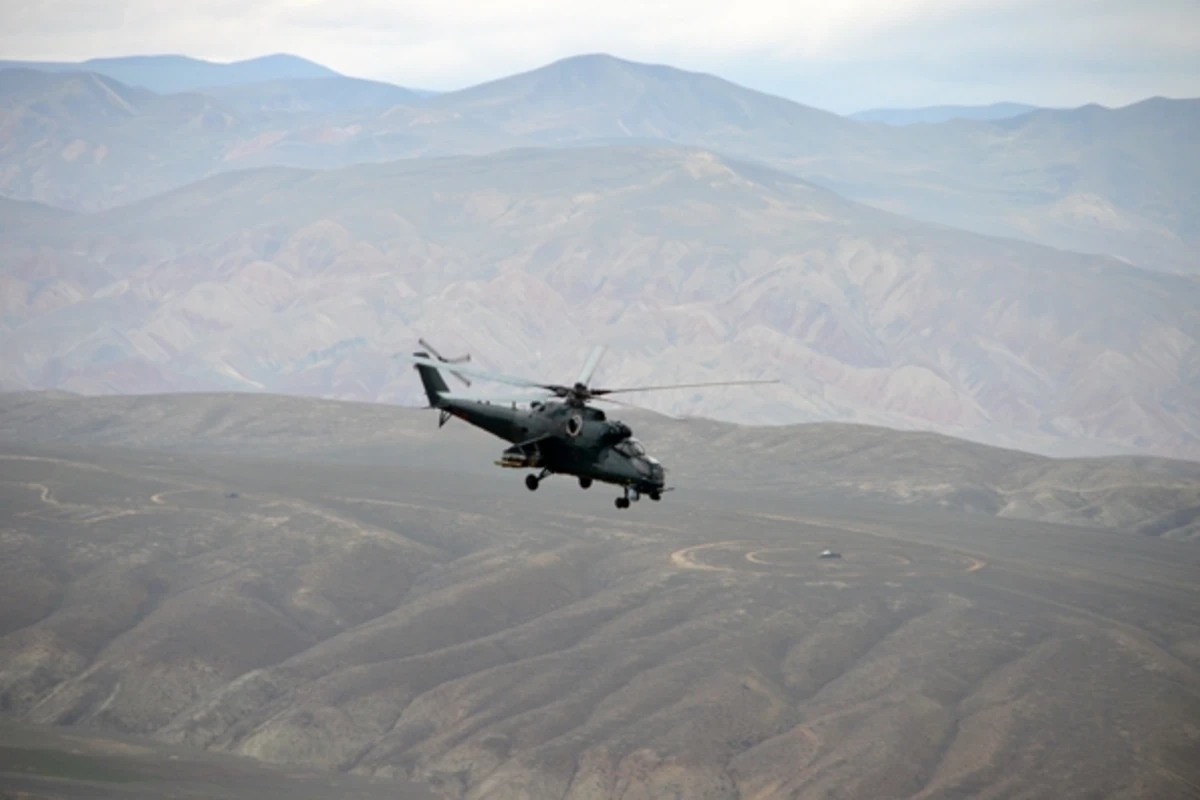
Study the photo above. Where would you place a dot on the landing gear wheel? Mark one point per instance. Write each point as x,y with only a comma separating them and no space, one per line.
622,502
655,496
585,483
531,482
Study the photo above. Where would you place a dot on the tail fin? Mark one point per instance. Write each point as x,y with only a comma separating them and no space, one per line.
435,387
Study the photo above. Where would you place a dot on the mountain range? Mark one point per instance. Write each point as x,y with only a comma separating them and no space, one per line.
289,231
1113,181
689,266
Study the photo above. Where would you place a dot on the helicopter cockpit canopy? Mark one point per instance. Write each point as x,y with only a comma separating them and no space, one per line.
645,464
630,447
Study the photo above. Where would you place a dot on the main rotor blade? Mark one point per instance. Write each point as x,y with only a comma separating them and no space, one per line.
478,373
639,408
589,366
598,392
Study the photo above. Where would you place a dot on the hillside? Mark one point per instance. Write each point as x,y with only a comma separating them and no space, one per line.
43,762
1157,497
80,140
19,219
344,596
1112,181
1091,179
688,265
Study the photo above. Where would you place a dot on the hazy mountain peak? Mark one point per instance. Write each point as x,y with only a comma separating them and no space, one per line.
599,97
168,73
287,61
591,61
599,67
604,64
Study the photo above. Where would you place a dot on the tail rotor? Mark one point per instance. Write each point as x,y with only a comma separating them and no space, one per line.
463,359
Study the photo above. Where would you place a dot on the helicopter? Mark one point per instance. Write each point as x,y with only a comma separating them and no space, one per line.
560,433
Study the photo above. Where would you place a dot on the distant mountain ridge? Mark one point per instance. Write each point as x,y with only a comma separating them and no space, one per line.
1112,181
937,114
311,95
167,74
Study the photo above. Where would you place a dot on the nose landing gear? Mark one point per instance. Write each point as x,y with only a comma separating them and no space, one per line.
623,502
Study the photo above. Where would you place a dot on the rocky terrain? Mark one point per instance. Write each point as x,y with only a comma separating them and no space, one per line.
343,586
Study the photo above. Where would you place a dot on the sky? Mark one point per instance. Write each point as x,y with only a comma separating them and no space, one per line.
842,56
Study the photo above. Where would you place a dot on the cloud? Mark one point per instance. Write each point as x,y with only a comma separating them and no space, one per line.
802,48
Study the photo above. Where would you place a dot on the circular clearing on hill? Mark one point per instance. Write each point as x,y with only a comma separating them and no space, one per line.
877,561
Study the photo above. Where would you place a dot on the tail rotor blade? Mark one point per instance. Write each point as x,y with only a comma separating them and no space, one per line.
478,373
440,357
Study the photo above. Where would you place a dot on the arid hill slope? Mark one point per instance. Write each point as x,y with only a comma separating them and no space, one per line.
452,628
1153,496
689,266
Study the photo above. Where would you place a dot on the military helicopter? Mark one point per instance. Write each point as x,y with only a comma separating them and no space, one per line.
560,433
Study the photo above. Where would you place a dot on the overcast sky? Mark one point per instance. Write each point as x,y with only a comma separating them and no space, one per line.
841,55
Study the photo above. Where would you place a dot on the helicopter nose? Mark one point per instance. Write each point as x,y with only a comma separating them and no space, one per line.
657,473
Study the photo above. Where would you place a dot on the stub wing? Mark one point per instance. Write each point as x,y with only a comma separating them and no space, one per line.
524,455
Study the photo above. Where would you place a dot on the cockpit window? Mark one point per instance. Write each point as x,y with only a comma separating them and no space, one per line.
631,447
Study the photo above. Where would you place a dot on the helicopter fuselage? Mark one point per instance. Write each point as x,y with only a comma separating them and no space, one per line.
557,438
564,435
